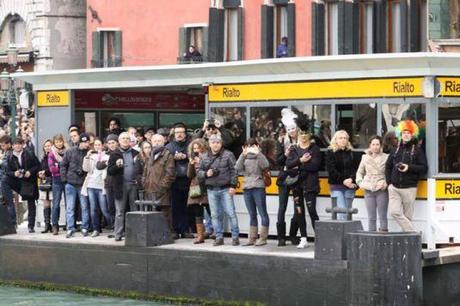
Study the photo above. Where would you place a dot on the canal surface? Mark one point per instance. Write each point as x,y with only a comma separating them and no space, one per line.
10,296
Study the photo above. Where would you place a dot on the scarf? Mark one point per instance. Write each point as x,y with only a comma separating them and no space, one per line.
58,153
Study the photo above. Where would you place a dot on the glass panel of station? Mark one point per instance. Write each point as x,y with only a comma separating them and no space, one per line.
449,137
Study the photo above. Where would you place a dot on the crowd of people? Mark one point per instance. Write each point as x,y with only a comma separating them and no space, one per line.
193,179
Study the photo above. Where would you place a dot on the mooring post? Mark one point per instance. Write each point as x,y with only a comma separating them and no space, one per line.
385,269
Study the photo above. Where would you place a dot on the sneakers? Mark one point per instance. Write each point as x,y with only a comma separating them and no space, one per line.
95,234
218,241
235,241
84,232
303,243
69,234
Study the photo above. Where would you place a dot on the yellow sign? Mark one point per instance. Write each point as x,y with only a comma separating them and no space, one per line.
401,87
448,189
53,98
449,86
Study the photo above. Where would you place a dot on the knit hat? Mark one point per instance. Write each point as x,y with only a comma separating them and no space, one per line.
112,137
215,138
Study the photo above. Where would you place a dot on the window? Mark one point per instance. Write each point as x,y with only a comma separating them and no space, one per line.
192,47
393,113
449,138
366,27
231,34
17,30
444,20
360,122
280,25
234,120
193,121
332,29
394,26
107,48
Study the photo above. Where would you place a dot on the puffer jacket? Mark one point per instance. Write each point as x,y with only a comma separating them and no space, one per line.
224,162
371,171
251,166
411,154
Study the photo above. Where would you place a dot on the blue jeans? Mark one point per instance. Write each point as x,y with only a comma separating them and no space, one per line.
97,204
71,194
207,222
220,202
255,200
58,189
342,196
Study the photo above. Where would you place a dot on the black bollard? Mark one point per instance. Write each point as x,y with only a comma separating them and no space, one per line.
147,228
385,269
6,227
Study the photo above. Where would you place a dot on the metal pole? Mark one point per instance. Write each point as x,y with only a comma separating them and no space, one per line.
12,103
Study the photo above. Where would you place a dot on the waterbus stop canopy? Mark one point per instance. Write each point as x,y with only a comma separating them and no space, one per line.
183,77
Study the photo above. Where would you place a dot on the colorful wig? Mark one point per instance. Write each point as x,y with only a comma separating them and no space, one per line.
407,125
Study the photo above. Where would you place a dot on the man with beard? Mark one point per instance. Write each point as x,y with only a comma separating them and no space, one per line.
159,175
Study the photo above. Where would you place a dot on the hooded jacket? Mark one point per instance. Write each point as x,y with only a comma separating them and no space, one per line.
251,166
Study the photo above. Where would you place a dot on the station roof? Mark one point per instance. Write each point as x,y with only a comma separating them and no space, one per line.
190,76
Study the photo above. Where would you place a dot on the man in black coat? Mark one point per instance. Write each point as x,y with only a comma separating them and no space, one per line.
405,166
22,167
121,174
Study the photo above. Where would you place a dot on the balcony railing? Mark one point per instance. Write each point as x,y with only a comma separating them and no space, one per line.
191,60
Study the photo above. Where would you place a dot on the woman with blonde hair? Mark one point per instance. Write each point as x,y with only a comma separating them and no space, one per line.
341,165
197,198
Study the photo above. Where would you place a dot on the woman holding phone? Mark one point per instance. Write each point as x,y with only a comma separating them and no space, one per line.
305,160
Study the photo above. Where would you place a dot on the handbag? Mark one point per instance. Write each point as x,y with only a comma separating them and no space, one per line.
291,180
27,190
195,191
45,186
267,177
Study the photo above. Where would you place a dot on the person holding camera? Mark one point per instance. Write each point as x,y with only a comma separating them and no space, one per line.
342,164
214,127
217,171
73,176
45,185
122,176
404,168
251,164
21,176
95,165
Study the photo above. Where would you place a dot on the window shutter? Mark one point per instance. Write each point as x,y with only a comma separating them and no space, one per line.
182,42
317,28
267,20
240,33
216,35
348,28
342,30
379,37
414,25
204,51
118,47
291,28
404,22
96,54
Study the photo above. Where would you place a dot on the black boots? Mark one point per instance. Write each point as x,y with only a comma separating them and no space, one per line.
281,229
47,216
293,232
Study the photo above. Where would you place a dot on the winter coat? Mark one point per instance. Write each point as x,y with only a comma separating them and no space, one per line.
281,158
341,165
308,172
179,147
224,162
95,165
72,166
371,171
29,162
159,175
412,155
44,165
115,173
139,169
251,166
192,172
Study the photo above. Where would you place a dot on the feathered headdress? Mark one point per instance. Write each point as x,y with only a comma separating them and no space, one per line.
407,125
288,118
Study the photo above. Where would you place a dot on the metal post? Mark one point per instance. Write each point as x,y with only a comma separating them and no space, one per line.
12,102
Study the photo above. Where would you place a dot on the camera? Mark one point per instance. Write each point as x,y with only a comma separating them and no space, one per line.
80,172
215,172
400,166
211,123
195,154
21,172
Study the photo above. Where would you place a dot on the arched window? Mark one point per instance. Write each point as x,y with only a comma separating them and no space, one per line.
17,30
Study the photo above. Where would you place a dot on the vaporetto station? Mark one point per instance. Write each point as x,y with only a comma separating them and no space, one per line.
363,94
